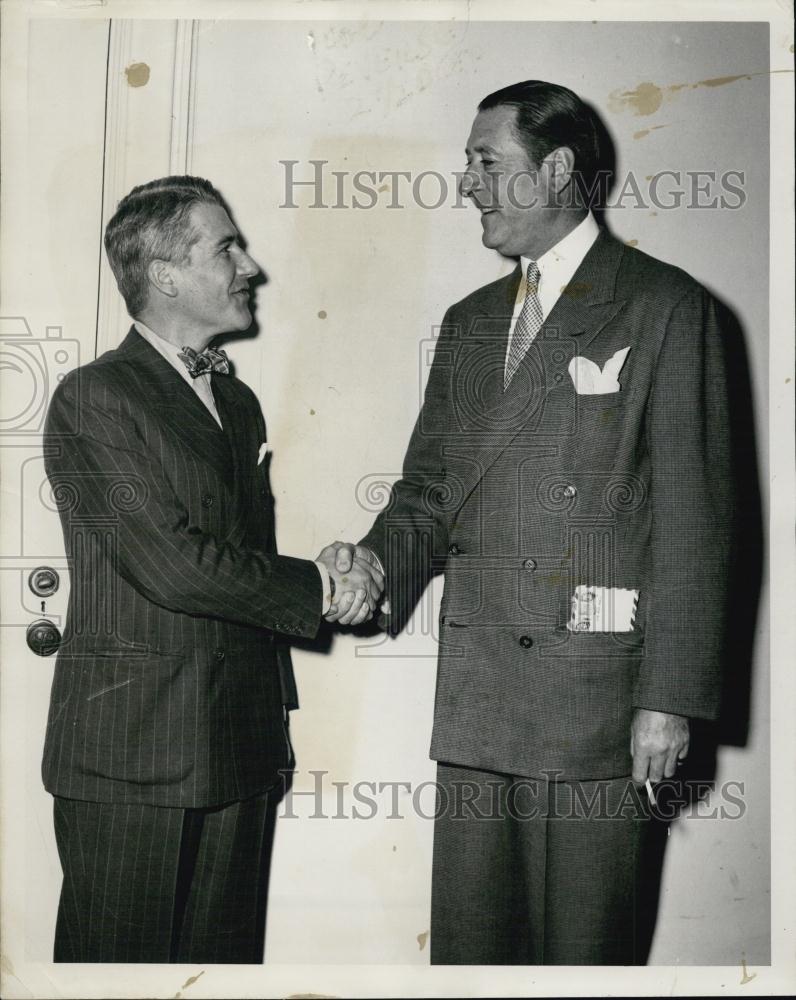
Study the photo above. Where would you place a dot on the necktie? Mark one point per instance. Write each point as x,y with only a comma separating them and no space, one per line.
529,323
208,360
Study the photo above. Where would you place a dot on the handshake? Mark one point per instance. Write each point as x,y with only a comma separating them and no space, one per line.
357,580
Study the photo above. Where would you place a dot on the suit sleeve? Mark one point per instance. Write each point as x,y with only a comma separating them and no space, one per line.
91,439
410,535
693,507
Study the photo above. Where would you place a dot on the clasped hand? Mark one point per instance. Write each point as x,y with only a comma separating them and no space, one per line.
358,582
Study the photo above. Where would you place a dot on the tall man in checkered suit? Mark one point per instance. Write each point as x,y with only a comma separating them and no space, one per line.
569,473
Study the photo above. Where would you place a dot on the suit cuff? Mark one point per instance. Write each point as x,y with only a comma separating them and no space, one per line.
384,607
378,562
326,582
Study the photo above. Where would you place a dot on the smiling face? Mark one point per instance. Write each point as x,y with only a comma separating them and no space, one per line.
518,213
212,285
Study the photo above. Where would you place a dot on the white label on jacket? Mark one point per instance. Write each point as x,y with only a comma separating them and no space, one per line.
602,609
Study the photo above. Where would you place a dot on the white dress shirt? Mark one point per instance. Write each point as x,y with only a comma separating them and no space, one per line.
556,269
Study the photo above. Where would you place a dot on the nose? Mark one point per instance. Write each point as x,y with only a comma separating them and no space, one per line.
247,266
468,182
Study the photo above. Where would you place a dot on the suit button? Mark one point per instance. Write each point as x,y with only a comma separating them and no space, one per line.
207,500
454,549
443,473
220,655
570,492
526,641
530,565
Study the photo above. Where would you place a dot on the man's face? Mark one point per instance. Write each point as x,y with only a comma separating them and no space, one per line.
213,283
510,192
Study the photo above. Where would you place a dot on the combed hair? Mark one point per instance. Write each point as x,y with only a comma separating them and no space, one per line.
549,116
151,223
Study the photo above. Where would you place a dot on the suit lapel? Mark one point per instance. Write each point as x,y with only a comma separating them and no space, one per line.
231,449
240,432
478,388
172,401
583,309
588,302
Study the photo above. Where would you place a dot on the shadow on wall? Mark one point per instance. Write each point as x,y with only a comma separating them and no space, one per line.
694,779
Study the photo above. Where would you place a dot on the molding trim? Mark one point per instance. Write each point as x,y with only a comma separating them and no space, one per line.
112,318
183,101
135,149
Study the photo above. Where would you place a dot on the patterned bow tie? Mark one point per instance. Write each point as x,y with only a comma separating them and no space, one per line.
208,360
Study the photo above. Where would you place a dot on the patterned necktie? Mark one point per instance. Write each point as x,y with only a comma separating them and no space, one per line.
529,323
208,360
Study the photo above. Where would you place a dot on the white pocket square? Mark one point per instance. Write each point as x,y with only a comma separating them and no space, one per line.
262,452
591,380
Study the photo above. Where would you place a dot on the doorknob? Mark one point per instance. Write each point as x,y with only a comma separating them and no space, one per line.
43,637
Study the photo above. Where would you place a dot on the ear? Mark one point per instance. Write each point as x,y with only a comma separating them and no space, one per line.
161,277
561,165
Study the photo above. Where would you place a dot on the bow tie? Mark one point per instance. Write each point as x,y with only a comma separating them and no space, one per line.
208,360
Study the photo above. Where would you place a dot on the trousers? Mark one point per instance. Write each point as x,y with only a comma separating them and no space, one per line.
152,884
537,872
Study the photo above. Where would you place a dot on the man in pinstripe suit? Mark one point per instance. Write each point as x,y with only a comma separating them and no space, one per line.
168,724
570,474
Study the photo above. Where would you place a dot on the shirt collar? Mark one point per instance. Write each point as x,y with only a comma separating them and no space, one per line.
558,264
164,347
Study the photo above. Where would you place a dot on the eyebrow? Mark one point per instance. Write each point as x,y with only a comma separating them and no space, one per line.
225,240
480,147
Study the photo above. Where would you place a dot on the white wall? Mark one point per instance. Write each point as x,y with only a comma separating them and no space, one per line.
51,216
339,365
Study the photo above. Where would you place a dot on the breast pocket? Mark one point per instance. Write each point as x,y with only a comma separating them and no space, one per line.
587,405
593,646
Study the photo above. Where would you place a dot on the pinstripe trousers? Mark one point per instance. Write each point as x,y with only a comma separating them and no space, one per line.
156,884
538,872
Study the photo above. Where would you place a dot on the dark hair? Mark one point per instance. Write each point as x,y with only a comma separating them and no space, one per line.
151,223
549,116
